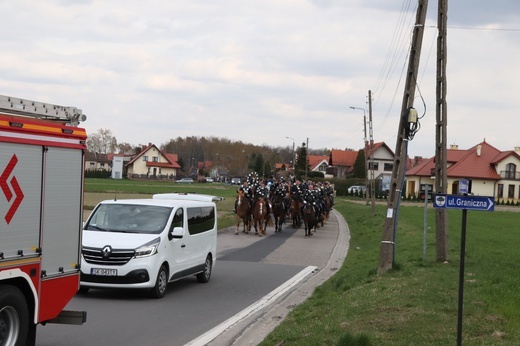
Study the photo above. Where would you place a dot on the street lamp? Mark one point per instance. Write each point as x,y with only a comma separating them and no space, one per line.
293,154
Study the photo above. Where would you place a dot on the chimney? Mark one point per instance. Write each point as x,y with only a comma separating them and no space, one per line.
479,149
454,146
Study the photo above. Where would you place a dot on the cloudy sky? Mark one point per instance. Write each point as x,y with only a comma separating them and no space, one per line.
260,71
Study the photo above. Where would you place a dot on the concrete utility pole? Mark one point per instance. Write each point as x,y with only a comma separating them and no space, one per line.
387,253
441,180
365,150
371,131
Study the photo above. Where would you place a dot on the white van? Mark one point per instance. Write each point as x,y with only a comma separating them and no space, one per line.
147,243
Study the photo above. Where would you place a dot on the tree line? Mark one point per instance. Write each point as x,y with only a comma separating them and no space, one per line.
236,156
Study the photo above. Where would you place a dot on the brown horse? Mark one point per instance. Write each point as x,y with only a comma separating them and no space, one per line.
260,216
328,207
243,211
278,212
295,212
310,219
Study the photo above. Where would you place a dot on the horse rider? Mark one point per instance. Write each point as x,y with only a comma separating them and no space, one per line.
248,192
329,191
311,196
261,191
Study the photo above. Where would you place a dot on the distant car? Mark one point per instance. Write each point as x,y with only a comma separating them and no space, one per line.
236,181
357,189
185,181
209,180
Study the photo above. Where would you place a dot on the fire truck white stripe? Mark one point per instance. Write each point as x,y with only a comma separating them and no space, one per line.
39,138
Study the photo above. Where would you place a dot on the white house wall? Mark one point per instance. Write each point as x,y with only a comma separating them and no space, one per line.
382,156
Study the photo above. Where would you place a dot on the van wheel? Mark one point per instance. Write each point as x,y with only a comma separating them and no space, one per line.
161,283
206,274
14,316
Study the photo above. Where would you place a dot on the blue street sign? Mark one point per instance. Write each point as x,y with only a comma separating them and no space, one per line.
464,202
463,186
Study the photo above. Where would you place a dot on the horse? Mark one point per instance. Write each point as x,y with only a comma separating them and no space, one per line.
328,206
243,212
295,212
310,219
260,216
278,212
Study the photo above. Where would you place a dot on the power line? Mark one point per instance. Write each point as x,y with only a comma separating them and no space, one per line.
483,29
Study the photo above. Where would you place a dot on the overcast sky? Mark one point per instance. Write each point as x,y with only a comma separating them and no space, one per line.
260,71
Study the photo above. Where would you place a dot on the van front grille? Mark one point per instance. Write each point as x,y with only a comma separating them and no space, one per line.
107,256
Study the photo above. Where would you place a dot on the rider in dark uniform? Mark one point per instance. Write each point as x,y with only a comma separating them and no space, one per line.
262,191
248,193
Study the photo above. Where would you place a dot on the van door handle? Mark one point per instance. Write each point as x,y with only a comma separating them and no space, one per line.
183,245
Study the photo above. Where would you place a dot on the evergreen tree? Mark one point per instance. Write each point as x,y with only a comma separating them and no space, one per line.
360,170
302,161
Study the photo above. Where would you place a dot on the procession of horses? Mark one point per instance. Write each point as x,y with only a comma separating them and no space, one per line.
260,203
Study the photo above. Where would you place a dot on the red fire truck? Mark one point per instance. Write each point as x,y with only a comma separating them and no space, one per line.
41,204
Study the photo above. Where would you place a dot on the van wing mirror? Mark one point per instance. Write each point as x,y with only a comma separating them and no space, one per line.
177,233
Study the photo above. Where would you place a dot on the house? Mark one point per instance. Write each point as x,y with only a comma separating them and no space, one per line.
491,172
342,162
381,155
152,162
319,163
96,161
383,160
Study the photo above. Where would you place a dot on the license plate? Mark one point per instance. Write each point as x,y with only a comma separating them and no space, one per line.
103,272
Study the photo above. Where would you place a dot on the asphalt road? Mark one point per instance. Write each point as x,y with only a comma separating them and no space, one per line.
256,282
325,252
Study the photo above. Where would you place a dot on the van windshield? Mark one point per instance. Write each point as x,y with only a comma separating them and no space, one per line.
129,218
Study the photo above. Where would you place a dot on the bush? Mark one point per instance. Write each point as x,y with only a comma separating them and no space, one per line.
97,173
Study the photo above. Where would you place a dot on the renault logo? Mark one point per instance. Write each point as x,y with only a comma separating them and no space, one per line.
107,250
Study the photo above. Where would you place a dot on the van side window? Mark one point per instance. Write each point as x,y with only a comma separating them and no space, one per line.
201,219
178,219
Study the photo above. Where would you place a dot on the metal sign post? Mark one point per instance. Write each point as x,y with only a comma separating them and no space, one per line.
465,203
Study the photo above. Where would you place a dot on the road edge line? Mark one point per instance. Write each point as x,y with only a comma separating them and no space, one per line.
256,306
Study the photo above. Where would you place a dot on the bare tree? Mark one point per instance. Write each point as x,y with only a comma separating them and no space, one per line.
102,142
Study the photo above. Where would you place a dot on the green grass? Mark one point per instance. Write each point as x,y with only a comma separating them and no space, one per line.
97,190
415,303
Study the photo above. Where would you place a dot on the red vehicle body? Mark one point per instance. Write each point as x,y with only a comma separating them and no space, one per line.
41,204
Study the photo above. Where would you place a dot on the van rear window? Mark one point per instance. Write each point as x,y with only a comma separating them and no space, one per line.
200,219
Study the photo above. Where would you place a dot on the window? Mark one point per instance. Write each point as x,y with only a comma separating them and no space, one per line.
92,164
388,167
511,191
500,192
510,171
155,159
201,219
145,158
375,166
178,219
102,165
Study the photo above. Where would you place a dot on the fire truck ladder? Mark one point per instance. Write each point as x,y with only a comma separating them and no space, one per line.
67,115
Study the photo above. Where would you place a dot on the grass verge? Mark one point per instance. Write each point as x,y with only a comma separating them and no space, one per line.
416,303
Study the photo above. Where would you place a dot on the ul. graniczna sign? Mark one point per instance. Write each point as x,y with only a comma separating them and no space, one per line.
10,187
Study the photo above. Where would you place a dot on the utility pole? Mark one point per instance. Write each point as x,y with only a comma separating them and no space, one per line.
387,253
441,180
365,152
367,161
307,159
371,131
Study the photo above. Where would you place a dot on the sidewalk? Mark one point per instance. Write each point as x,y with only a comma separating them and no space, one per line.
330,246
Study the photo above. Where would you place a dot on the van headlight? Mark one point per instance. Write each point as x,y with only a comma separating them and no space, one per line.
148,249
